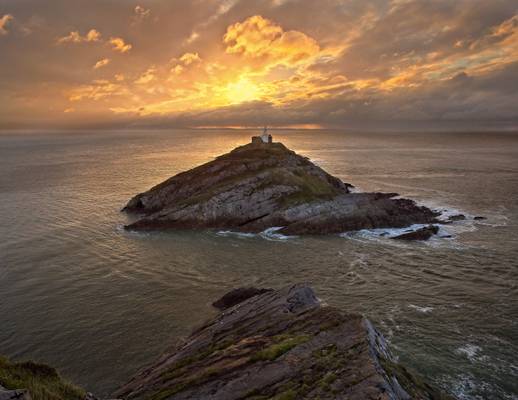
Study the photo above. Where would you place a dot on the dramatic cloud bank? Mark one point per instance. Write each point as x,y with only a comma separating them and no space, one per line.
380,64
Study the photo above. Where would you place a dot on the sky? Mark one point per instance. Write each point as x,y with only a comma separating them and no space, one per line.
380,64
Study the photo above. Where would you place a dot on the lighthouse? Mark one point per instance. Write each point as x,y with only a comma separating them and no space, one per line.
264,138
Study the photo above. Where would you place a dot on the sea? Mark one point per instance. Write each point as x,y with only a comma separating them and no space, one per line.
80,293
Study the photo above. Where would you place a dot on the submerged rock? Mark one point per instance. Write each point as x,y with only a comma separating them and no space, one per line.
258,186
424,233
281,344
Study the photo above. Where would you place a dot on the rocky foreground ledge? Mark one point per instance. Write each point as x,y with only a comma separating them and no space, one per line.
279,345
265,344
264,185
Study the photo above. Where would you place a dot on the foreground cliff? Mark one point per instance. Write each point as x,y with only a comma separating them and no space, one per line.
35,381
259,186
280,345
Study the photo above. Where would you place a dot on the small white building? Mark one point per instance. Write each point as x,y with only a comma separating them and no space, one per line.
264,138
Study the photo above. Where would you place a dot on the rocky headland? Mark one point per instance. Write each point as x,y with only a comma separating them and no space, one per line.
262,185
279,345
265,344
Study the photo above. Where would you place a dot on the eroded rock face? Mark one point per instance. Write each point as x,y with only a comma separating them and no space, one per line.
258,186
281,344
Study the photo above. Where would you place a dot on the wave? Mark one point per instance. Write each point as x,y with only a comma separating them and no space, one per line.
424,310
268,234
241,235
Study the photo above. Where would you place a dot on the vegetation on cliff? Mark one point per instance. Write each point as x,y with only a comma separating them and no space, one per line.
42,381
281,345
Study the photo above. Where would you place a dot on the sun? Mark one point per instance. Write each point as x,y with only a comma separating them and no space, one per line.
241,91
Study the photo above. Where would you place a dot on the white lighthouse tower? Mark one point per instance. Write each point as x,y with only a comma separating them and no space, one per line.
264,138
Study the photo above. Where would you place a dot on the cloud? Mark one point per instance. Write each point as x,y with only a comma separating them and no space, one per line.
119,45
223,7
97,90
190,58
4,21
177,69
140,14
258,37
102,63
147,76
229,62
192,37
92,35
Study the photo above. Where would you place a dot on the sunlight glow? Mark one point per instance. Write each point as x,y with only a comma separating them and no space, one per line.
241,91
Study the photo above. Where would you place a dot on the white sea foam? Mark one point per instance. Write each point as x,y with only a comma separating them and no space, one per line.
464,387
271,234
424,310
445,237
471,351
268,234
241,235
381,233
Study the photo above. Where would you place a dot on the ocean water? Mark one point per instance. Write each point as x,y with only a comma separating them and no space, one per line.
98,303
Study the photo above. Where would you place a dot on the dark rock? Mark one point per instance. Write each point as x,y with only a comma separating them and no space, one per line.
237,296
281,344
458,217
258,186
17,394
478,218
424,233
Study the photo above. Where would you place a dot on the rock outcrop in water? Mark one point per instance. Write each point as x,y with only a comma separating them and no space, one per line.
423,233
259,186
280,345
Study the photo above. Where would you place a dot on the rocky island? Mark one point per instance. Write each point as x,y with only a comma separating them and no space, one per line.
263,185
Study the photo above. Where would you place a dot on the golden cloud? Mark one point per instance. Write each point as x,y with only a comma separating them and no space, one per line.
4,21
101,63
93,35
119,45
177,69
147,76
258,37
190,58
98,90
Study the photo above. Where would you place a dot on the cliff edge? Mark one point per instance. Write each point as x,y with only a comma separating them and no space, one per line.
281,345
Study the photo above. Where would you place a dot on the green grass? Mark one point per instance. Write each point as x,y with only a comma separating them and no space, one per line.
287,395
326,381
42,381
276,350
311,188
